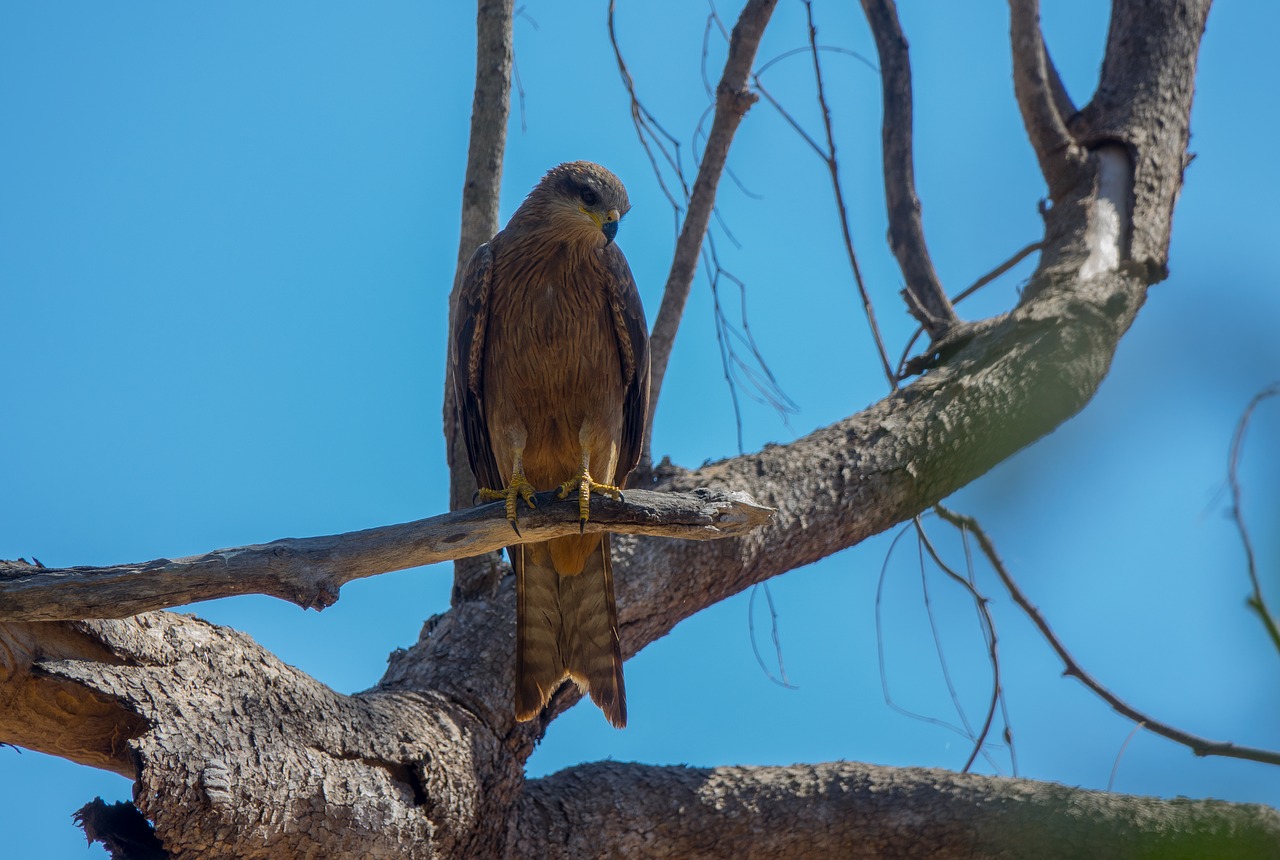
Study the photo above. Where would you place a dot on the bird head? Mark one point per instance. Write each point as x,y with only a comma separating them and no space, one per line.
578,200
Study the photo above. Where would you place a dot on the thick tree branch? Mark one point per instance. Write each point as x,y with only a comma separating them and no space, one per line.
846,809
481,187
733,100
1149,66
925,297
1039,99
309,571
214,729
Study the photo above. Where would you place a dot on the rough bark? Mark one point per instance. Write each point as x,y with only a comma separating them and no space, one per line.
237,754
851,810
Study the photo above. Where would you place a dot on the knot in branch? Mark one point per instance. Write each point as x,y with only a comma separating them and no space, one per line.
736,99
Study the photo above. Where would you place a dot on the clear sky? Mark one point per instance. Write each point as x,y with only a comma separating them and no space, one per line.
227,234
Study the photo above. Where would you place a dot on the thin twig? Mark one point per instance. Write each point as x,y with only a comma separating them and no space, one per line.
880,649
1007,734
966,732
833,168
1115,765
827,154
1198,745
733,100
970,290
773,633
1256,601
989,630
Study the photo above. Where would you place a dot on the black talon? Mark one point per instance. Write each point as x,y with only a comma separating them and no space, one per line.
515,528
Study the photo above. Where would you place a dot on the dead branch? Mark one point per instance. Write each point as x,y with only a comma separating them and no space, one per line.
925,297
1198,745
733,100
1257,601
310,571
1038,97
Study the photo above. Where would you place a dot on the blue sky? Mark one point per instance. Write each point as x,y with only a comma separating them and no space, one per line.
227,234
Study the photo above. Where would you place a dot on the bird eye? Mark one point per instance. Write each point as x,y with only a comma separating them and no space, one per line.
589,197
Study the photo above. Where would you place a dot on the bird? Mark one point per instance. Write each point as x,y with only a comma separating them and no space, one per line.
551,368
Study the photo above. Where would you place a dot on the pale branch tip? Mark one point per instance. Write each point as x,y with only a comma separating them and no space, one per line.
310,571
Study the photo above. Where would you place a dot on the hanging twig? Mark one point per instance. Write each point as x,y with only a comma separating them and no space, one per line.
989,631
1256,601
1198,745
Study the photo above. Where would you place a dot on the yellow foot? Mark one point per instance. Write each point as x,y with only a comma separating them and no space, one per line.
519,488
585,485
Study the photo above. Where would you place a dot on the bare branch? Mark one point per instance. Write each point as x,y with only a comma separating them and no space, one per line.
490,108
1257,602
1198,745
833,168
1039,98
926,299
733,100
993,649
990,276
309,571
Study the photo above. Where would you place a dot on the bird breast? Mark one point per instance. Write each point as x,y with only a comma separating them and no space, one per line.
556,382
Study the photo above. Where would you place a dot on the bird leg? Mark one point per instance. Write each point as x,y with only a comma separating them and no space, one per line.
518,488
585,485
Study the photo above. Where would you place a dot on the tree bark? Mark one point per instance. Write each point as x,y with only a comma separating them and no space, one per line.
237,755
309,571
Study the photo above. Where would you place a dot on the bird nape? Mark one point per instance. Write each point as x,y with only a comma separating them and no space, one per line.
551,365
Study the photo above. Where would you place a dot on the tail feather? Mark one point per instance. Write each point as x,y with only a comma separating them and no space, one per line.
567,627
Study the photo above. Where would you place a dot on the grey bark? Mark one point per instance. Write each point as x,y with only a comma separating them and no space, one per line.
309,571
236,754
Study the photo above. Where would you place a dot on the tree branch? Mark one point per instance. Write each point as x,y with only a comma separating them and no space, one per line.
1200,746
237,754
481,187
1150,64
309,571
733,100
846,809
1039,99
925,297
1257,601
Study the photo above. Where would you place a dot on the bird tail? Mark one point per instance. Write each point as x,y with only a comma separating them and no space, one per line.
567,627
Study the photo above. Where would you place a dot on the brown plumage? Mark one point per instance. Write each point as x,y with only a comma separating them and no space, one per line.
551,361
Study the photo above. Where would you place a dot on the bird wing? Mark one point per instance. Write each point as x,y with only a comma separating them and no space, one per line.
470,328
633,347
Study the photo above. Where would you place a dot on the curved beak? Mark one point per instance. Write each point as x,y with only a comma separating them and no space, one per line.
610,225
